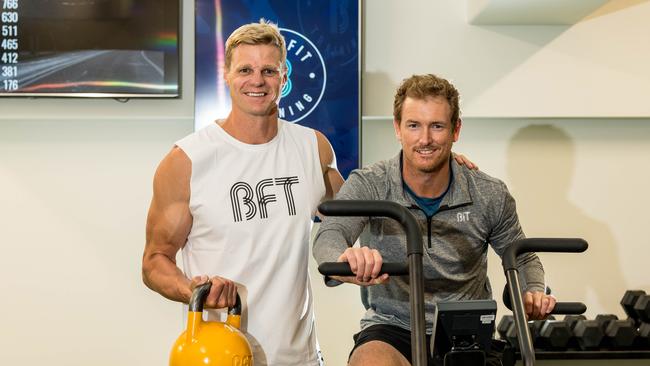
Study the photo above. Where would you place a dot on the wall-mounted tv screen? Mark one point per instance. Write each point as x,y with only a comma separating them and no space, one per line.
90,48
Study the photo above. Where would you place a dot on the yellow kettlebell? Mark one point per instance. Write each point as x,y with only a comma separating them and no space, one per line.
211,343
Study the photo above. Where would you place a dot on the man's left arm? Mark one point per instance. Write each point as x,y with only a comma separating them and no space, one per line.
331,176
507,230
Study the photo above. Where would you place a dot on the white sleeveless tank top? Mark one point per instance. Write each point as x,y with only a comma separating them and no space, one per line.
252,207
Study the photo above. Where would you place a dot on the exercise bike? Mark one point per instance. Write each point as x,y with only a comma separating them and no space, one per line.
413,268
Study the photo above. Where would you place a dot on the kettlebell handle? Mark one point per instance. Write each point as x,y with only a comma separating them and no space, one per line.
201,292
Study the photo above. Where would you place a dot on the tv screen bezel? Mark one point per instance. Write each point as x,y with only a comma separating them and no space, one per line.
120,96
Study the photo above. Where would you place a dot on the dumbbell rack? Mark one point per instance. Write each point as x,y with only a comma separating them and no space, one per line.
596,339
593,355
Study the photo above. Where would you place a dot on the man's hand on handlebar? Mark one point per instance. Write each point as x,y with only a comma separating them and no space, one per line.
365,263
538,305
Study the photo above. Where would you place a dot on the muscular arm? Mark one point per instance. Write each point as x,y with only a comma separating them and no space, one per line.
331,176
168,224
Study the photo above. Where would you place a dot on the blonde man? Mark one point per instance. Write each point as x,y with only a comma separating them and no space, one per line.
237,197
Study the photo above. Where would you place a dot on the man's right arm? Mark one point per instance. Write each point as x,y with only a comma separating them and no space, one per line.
168,224
336,235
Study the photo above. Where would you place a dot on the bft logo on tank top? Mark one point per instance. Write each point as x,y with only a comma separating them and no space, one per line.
256,200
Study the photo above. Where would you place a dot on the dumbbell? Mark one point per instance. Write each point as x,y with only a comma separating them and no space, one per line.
643,339
571,321
511,336
605,331
636,304
642,308
504,324
617,333
588,334
535,327
511,333
553,334
629,303
508,330
546,334
604,320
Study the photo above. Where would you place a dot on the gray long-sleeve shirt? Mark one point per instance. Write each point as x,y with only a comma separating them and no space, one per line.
477,211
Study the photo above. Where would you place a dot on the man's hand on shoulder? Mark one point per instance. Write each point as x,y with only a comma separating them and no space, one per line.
365,263
463,160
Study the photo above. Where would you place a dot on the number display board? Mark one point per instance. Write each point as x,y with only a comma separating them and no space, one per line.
81,48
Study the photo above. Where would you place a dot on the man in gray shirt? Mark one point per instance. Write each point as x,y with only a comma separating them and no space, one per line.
460,211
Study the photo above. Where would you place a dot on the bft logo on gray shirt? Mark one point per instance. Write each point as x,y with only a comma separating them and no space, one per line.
462,216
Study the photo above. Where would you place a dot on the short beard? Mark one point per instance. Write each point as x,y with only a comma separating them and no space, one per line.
437,166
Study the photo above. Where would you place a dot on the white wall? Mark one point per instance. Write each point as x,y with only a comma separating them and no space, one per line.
595,68
75,178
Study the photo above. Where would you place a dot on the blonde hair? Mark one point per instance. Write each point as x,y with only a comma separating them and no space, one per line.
264,32
423,86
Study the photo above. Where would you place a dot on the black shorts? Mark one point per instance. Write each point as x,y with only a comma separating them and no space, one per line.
400,339
397,337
